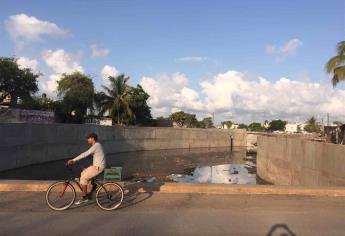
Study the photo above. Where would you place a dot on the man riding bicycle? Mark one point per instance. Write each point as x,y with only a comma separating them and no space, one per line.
95,169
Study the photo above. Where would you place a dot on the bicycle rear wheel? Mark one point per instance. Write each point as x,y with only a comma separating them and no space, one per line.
109,196
60,196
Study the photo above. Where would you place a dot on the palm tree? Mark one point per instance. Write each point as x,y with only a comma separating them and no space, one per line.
336,65
311,121
312,125
115,99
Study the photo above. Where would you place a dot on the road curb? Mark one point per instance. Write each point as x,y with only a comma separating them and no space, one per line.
254,190
28,185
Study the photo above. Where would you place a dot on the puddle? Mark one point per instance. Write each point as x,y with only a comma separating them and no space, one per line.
219,174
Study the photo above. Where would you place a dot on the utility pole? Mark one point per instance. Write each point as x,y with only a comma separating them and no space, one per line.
327,119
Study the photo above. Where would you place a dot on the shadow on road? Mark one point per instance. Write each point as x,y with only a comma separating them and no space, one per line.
138,192
134,193
280,230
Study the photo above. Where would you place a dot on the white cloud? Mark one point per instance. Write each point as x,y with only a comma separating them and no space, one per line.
191,59
25,62
109,71
257,99
49,85
97,52
25,29
245,99
219,91
288,49
60,62
170,93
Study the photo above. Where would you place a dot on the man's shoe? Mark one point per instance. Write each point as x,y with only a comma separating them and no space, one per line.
93,189
84,199
89,196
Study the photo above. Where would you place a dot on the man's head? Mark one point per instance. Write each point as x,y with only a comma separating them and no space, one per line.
92,138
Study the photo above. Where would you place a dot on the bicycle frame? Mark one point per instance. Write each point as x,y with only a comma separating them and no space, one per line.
96,184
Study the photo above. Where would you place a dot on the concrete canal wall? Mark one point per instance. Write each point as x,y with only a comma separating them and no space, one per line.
239,137
297,160
24,144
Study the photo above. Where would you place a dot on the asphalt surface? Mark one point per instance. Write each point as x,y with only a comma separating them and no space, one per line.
25,213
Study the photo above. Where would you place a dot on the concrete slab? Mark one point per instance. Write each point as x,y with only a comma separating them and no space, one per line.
27,185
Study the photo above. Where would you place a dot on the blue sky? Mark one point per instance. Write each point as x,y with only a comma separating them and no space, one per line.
199,39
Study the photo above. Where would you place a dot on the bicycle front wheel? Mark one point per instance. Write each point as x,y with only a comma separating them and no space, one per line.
109,196
60,196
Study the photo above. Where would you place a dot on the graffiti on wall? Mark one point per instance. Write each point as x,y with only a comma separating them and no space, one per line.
32,116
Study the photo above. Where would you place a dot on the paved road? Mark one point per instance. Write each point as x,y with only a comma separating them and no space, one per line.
25,213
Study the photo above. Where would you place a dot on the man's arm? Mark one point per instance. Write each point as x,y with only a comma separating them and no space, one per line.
85,154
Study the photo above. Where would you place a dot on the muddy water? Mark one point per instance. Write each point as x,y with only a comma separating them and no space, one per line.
159,165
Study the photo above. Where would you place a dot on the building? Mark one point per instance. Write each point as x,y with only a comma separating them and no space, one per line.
234,126
265,124
105,121
294,128
6,101
225,126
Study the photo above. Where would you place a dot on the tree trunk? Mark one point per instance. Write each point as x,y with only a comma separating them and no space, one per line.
14,100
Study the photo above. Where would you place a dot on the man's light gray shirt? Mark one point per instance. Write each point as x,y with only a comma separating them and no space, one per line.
98,155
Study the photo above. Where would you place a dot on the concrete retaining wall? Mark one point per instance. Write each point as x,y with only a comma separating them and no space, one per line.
239,137
252,140
293,160
24,144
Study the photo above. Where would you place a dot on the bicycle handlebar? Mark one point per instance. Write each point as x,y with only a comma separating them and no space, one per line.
70,170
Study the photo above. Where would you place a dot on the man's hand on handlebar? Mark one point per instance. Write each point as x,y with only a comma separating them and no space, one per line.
70,162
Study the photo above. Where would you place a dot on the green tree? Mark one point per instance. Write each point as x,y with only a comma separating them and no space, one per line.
336,65
277,125
255,126
185,119
116,100
16,82
39,103
138,102
77,91
312,125
206,123
227,123
243,126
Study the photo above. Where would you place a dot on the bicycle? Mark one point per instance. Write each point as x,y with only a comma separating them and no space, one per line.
62,194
